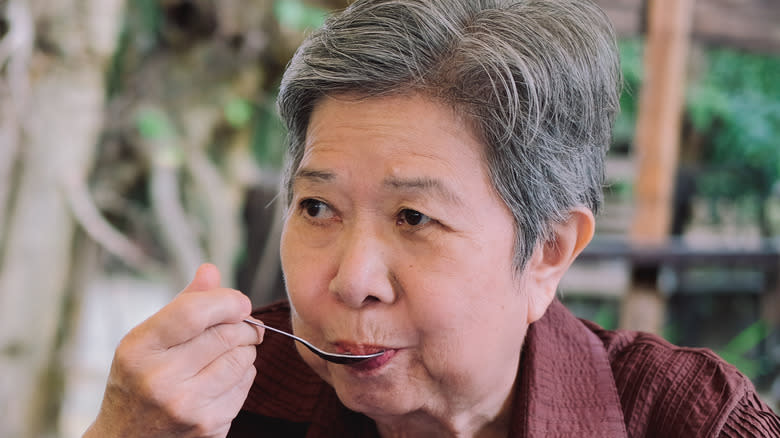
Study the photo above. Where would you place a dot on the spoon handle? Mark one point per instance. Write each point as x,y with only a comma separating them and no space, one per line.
330,357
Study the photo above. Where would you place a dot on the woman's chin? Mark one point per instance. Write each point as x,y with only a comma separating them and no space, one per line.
379,387
377,403
376,389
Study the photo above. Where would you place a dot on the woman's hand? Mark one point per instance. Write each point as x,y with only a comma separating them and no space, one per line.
186,370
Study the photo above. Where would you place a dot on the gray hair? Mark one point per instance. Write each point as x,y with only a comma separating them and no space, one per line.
539,81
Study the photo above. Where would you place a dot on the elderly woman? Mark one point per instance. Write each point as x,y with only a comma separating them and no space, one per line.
445,164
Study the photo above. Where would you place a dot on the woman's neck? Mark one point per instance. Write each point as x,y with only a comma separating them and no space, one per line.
473,422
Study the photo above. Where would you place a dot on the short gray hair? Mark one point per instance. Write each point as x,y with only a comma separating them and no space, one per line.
538,79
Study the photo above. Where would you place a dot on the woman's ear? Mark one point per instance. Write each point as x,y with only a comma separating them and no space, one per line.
552,258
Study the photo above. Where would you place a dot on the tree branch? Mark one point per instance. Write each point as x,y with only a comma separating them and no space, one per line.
180,240
99,229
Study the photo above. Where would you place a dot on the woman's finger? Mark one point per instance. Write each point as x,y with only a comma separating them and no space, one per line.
216,341
229,369
218,415
190,314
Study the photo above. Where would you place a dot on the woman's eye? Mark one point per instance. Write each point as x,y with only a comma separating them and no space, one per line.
314,208
412,217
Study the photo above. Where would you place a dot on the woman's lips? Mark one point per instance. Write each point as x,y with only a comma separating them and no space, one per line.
349,348
368,364
375,362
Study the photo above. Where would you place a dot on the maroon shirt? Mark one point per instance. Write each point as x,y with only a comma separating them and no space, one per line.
575,380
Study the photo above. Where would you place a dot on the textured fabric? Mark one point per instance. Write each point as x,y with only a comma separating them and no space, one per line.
751,418
566,387
669,391
575,380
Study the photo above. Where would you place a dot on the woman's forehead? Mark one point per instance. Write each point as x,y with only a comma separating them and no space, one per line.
407,146
393,130
414,120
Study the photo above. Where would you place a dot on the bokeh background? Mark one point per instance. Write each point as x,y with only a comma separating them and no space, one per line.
139,138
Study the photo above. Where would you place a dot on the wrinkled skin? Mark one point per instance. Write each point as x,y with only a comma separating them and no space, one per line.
396,240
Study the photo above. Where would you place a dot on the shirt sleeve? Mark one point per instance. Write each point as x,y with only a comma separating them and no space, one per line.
751,418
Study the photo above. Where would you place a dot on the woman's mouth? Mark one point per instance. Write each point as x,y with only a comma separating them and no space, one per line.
369,364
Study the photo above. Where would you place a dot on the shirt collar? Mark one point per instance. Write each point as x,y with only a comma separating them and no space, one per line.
565,382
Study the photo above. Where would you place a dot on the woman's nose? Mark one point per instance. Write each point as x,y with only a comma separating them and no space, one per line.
363,275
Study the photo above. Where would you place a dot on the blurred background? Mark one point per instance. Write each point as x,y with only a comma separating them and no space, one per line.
139,138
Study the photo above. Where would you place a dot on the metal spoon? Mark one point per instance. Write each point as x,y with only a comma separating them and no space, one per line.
344,359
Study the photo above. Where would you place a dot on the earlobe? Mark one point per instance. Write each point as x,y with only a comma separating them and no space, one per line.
551,259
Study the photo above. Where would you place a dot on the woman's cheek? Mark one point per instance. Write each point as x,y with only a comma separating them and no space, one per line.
319,366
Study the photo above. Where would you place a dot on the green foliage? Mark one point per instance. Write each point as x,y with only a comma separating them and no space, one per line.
268,135
631,65
735,105
736,351
602,311
297,15
147,17
620,190
141,25
238,112
671,332
153,124
606,317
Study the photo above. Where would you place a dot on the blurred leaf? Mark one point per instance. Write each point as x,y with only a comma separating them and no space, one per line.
631,52
748,339
150,18
606,317
623,190
705,105
749,367
297,15
671,332
238,112
735,351
153,124
631,66
268,135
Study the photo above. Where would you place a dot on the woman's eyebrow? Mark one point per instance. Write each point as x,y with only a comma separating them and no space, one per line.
423,184
314,175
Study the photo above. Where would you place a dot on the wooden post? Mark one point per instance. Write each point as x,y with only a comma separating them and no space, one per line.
656,148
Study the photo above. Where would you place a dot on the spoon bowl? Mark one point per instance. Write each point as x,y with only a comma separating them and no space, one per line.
343,359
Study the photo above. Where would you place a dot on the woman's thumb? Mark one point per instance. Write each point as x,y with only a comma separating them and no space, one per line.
206,277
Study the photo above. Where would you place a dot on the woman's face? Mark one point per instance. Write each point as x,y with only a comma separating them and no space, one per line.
396,240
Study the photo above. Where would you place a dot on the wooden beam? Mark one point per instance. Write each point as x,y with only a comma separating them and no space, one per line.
744,24
626,15
660,113
752,25
656,149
